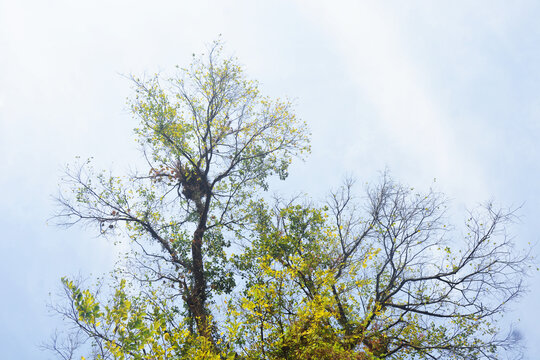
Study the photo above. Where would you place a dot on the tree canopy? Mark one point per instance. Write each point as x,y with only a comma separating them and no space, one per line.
220,270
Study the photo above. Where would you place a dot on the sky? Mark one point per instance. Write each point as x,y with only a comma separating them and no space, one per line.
433,91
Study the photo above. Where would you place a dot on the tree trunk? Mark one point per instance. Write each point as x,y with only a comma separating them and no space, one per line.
197,301
198,292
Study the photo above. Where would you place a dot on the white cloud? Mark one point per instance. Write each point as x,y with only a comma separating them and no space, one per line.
416,137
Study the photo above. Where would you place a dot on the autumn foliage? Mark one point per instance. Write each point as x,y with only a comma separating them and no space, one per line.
221,270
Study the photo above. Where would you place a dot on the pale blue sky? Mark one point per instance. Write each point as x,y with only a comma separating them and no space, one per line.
446,90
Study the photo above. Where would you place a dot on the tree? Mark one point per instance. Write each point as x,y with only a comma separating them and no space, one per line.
390,280
327,282
210,139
